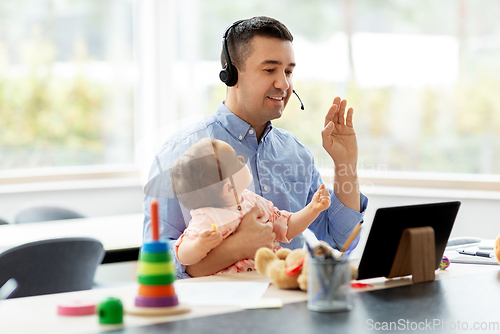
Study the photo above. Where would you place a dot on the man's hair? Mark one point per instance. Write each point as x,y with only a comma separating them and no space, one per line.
239,38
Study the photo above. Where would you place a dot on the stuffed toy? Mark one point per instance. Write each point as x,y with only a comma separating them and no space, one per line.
283,268
496,248
287,269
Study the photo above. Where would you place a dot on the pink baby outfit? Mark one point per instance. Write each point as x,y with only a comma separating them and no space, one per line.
228,219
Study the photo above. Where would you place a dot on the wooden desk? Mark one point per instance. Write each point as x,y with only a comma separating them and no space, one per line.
463,295
121,236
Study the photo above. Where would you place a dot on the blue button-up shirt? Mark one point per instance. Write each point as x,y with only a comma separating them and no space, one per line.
283,172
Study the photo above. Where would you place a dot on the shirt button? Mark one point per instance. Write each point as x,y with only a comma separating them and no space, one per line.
250,132
266,188
241,137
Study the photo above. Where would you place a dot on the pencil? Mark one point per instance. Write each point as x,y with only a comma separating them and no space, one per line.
351,237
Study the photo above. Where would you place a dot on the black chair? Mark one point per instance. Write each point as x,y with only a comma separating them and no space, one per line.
51,266
43,213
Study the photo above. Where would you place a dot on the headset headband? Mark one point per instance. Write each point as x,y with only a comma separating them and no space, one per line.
229,74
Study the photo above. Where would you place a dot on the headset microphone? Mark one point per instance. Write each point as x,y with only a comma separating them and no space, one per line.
301,104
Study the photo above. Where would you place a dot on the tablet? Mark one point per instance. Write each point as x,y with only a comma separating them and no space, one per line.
388,225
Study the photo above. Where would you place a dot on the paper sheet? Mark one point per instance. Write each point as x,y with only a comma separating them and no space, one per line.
219,293
455,257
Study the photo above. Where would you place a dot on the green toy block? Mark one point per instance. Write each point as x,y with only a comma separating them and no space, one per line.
110,311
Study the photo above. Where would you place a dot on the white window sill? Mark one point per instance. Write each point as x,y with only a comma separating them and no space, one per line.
439,185
127,176
72,178
430,192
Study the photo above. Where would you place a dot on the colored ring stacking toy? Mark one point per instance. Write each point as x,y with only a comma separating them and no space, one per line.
156,268
156,290
155,247
156,301
155,257
156,279
156,275
76,307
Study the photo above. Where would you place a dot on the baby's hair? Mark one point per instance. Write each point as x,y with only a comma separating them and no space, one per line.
196,170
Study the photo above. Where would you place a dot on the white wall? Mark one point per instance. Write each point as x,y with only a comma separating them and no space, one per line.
91,198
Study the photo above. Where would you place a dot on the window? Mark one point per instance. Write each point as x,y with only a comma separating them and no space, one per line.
423,77
67,81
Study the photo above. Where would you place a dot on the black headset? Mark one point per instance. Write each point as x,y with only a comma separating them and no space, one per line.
229,74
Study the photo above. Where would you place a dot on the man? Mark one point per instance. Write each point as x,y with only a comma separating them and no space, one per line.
259,87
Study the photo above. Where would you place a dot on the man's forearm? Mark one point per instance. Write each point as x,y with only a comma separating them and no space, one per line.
346,186
217,259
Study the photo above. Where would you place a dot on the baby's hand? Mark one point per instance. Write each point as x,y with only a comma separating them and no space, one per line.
321,199
210,239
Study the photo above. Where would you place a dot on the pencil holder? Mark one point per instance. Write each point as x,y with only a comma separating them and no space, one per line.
328,285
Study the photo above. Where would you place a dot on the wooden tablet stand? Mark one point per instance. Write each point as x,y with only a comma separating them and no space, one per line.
416,255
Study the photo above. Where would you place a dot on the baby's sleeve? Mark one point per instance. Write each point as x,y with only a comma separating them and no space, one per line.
196,225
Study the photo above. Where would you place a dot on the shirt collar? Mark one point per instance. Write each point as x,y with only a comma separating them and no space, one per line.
269,127
235,125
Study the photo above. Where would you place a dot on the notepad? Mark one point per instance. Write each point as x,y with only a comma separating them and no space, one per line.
487,244
483,245
456,257
262,303
219,293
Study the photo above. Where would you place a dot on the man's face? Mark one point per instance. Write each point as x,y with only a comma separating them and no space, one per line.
265,85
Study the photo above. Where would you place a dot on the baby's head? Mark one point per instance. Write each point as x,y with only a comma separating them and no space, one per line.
204,175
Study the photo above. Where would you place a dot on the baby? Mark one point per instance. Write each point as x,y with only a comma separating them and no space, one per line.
211,180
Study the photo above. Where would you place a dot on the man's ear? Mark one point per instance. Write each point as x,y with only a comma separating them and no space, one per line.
227,189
